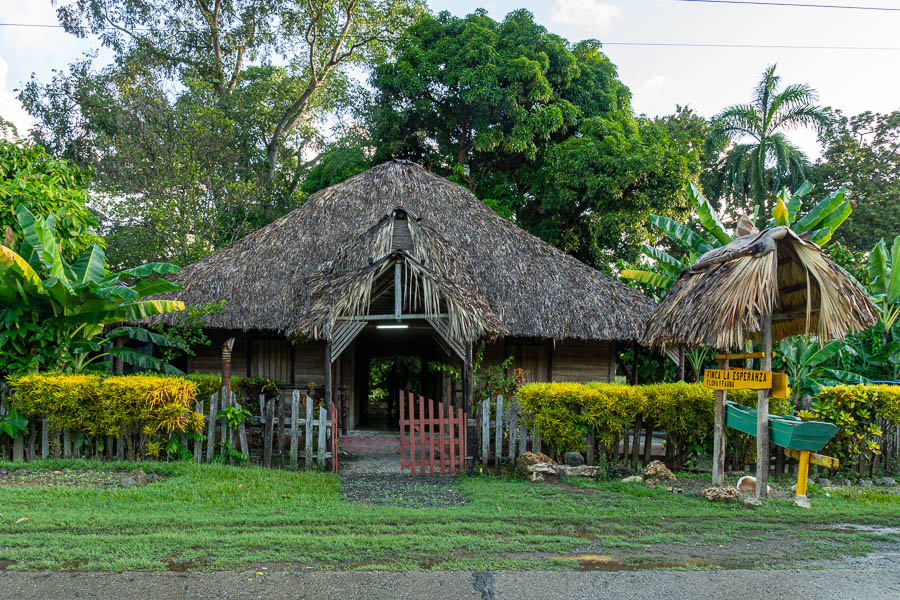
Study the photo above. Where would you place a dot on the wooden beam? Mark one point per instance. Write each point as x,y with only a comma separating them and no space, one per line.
817,459
762,414
740,356
718,465
328,389
398,292
393,317
467,408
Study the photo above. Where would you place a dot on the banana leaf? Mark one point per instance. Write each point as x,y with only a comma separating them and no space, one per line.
708,217
143,335
690,241
666,261
828,225
820,212
658,280
90,266
135,358
158,268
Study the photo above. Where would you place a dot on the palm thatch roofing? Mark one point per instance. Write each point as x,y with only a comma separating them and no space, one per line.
722,299
331,257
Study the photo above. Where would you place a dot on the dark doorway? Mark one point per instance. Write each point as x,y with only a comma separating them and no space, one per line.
392,360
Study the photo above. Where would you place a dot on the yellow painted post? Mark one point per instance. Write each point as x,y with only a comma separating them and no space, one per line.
803,472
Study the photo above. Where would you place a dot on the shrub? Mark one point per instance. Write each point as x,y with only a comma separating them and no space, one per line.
136,407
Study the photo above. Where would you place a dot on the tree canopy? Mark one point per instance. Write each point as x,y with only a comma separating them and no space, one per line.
540,129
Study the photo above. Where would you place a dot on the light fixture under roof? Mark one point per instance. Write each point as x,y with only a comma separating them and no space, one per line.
398,326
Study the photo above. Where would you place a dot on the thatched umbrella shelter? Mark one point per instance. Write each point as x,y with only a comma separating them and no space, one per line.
761,287
398,246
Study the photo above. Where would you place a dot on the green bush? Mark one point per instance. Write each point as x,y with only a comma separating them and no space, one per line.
141,408
565,413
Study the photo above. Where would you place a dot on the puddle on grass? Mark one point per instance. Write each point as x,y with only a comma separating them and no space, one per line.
854,528
601,562
74,564
4,564
180,566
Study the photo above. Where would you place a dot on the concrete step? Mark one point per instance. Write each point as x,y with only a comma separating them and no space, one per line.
370,441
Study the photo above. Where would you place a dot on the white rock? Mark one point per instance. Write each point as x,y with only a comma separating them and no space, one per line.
633,479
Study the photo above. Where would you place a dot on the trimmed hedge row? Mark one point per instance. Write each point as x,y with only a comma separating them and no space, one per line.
137,408
565,413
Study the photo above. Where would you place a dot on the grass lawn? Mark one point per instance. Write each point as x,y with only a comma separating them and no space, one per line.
218,517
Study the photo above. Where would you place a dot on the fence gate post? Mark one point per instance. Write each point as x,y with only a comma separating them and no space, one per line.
323,418
267,437
242,429
295,415
211,427
485,432
307,438
498,438
198,444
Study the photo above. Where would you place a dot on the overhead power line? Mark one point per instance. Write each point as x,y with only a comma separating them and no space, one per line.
641,43
796,5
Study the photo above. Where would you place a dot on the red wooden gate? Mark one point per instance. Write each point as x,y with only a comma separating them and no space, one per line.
433,442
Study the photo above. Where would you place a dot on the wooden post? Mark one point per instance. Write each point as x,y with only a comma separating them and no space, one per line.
269,430
307,438
467,409
226,367
718,466
198,444
803,473
211,427
485,431
323,417
328,384
634,365
636,441
513,433
591,444
295,433
681,363
762,414
242,430
498,438
648,443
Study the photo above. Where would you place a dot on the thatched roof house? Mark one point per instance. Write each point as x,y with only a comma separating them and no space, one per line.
400,246
723,299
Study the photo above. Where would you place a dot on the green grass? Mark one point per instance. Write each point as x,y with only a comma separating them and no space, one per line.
219,517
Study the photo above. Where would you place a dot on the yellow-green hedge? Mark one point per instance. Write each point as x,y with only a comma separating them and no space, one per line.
565,412
98,405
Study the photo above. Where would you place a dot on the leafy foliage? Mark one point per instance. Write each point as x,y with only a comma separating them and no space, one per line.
55,313
46,186
862,152
540,129
141,408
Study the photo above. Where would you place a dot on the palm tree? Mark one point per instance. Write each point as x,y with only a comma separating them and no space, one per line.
762,159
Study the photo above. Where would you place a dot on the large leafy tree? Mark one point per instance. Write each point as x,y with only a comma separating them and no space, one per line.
46,186
762,160
209,116
540,129
863,153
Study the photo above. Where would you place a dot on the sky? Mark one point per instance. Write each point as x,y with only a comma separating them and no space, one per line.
660,77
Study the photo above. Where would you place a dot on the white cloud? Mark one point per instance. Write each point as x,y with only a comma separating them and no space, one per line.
654,84
586,17
10,107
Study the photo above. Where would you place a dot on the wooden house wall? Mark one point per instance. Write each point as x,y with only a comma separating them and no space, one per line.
584,361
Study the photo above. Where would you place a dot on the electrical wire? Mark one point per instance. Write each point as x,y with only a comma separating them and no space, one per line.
795,5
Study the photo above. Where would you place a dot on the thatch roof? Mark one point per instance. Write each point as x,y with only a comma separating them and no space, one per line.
720,301
324,259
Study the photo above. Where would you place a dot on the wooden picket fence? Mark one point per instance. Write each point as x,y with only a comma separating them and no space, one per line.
277,424
504,435
430,444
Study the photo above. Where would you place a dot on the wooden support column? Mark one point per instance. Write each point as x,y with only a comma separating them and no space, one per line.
226,369
328,385
681,363
634,367
718,465
762,414
467,408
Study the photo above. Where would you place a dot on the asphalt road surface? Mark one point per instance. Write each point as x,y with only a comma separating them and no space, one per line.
849,582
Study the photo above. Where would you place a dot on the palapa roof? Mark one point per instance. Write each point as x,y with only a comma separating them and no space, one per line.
330,258
720,301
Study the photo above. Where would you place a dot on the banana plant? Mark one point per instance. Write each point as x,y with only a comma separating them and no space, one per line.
884,281
80,300
817,225
804,364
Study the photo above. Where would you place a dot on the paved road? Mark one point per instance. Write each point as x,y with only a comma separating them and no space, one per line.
869,582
